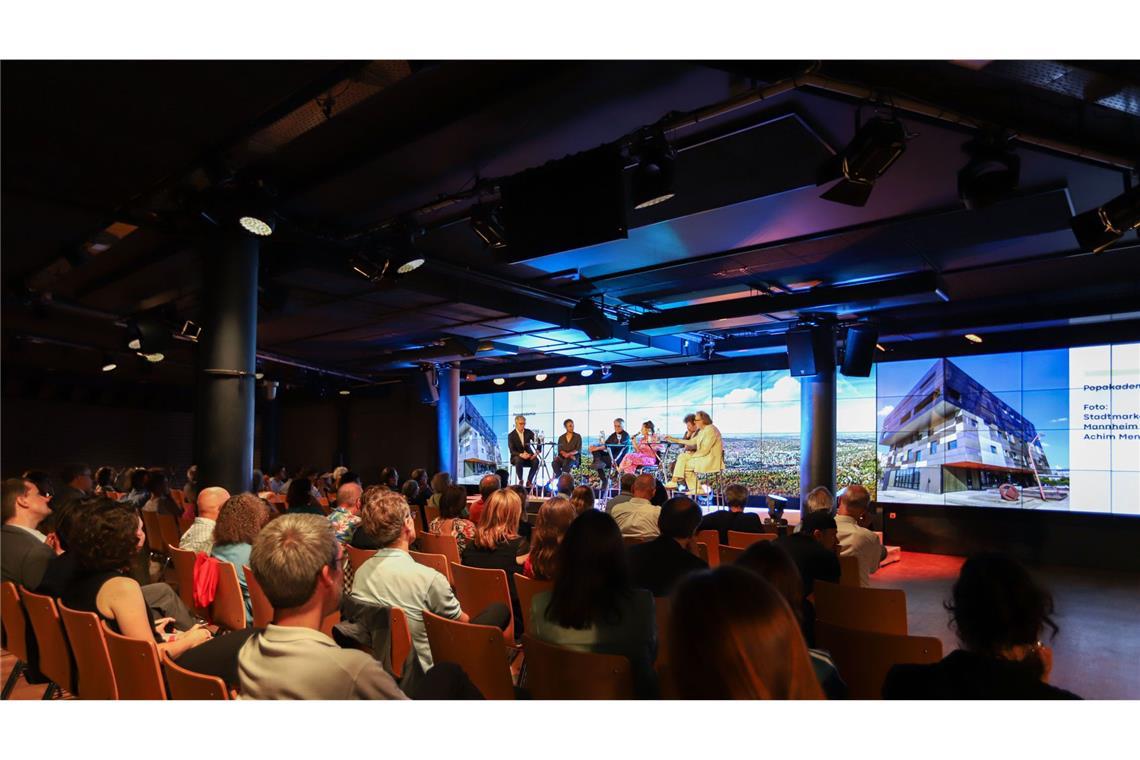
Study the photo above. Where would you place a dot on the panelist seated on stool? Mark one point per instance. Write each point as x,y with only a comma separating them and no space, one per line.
569,452
521,443
610,453
704,453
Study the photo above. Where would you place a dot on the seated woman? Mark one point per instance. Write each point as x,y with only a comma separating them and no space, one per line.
104,480
160,500
496,543
239,521
582,497
593,607
452,504
551,523
999,612
103,543
732,636
299,498
643,452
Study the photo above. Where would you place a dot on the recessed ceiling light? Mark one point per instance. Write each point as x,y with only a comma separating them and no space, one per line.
154,358
345,392
256,225
540,377
880,347
134,344
587,372
499,381
410,266
973,338
109,365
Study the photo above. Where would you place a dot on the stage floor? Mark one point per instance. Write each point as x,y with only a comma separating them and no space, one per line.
1097,652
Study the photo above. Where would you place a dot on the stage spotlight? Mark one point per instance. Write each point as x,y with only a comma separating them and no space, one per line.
876,145
607,371
540,377
108,363
973,338
1101,227
992,172
499,381
652,180
487,223
147,335
344,392
587,372
153,358
405,263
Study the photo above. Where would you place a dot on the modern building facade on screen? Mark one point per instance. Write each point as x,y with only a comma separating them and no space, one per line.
952,434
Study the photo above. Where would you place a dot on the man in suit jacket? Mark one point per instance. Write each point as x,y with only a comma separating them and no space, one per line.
24,552
569,450
521,443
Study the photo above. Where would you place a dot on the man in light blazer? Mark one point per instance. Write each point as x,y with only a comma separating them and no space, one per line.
707,454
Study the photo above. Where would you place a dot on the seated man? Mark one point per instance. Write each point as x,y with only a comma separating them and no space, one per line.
25,553
488,484
819,499
625,494
565,485
855,537
658,564
391,578
199,537
814,549
637,518
733,518
346,516
297,560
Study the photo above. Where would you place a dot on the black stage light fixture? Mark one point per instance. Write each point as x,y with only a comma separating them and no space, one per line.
811,349
587,317
652,180
487,224
427,385
876,145
147,335
1101,227
859,350
992,172
607,371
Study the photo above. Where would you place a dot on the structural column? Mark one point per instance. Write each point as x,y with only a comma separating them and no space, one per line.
447,416
227,361
270,428
817,434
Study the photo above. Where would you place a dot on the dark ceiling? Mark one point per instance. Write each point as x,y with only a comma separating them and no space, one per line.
104,163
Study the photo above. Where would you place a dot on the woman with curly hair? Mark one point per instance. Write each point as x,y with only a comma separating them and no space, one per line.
240,519
551,522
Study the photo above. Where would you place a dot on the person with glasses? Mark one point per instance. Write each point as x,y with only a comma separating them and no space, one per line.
24,552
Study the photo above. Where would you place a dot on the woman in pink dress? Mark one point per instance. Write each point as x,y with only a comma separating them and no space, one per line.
644,451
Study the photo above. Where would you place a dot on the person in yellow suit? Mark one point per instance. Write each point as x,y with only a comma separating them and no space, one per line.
706,455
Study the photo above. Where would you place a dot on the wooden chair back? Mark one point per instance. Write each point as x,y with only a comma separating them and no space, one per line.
742,540
863,657
168,530
430,543
329,621
262,608
183,561
135,662
228,609
711,539
95,678
478,649
184,524
661,610
153,532
178,497
849,570
357,557
634,540
401,635
185,684
701,551
477,589
528,589
14,620
431,513
418,521
878,610
729,554
555,672
436,562
55,653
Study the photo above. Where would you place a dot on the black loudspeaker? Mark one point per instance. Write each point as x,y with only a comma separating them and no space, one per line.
427,387
588,318
859,350
811,350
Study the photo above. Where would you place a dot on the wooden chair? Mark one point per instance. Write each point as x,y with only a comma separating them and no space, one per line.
528,589
262,609
184,524
95,678
178,497
228,609
357,557
329,621
135,662
742,540
849,570
729,554
711,539
430,543
16,634
478,649
634,540
661,609
401,639
554,672
153,531
185,684
701,551
168,531
183,561
436,562
431,513
863,657
418,521
878,610
477,589
55,653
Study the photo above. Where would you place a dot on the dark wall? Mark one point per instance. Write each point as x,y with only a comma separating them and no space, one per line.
47,434
1036,537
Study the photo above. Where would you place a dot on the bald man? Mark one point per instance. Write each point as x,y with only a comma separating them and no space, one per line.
199,537
346,516
852,528
637,518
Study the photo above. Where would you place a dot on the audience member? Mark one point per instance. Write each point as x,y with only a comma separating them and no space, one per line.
819,499
159,489
452,505
199,537
349,476
733,518
410,491
582,497
552,521
24,551
239,521
391,578
1000,613
42,481
77,484
488,484
814,549
137,496
420,475
657,565
104,481
277,483
775,566
190,490
299,498
565,485
496,543
625,494
345,517
852,529
592,606
637,518
439,482
732,636
257,484
660,494
298,563
390,478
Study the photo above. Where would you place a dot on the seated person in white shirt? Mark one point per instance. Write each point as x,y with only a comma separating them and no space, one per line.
199,537
852,523
637,518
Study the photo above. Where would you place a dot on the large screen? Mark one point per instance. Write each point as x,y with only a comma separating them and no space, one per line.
1057,430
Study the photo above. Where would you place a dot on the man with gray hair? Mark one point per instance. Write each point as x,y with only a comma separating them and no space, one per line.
852,523
391,578
820,499
298,562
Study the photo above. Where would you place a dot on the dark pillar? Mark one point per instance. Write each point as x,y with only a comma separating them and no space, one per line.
270,428
817,434
342,422
226,384
447,415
